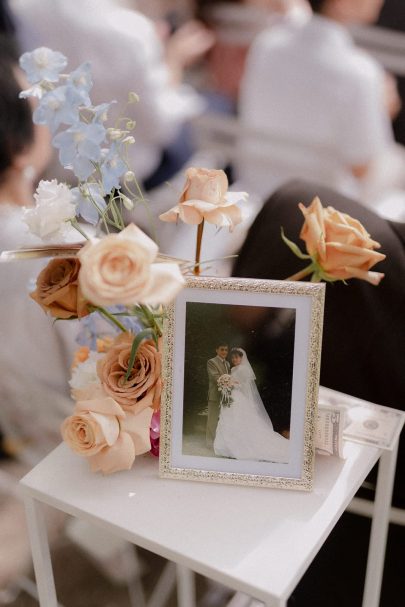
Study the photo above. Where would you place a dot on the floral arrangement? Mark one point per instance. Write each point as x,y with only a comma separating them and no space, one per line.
116,275
225,384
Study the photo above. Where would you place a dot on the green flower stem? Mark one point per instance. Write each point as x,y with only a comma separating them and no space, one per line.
305,272
151,320
110,317
75,225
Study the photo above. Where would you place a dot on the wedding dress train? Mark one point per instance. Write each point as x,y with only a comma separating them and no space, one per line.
244,428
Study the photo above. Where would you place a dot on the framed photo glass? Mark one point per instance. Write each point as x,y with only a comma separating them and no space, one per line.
241,376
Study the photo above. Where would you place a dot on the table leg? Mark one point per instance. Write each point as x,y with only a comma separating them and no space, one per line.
185,587
379,528
40,552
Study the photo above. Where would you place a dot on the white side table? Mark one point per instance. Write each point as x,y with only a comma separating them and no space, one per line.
257,541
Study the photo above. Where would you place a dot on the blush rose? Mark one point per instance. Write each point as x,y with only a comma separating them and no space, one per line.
120,269
99,430
205,197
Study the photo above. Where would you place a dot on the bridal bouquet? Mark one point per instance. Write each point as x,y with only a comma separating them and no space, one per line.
225,384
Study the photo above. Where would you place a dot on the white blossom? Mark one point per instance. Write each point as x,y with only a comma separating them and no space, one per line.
53,209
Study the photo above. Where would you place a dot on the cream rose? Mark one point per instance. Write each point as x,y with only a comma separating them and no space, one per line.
205,197
99,430
143,387
339,244
58,291
120,269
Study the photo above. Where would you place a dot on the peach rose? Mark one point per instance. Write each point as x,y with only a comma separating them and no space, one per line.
339,244
143,387
206,196
58,291
120,269
98,430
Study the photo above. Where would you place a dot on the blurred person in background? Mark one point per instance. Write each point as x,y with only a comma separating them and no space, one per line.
363,354
126,54
392,17
324,106
35,354
235,24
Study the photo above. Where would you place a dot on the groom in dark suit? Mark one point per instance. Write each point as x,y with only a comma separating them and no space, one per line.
216,367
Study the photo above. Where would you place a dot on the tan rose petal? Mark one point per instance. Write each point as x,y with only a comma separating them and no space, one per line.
120,456
166,281
172,215
108,425
138,427
105,406
373,278
190,215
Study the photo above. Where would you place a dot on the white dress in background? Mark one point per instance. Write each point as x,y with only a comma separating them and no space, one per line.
126,54
35,354
244,428
320,102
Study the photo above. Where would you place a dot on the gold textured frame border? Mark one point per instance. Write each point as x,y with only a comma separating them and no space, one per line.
316,292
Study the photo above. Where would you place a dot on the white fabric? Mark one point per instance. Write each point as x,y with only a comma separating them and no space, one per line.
126,55
35,354
244,429
308,84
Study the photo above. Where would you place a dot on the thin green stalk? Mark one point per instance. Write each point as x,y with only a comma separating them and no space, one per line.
110,317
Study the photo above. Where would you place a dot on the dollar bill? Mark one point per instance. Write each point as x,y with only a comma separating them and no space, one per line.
329,430
364,422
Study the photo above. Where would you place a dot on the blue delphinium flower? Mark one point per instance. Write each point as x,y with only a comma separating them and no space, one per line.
82,82
79,147
88,332
43,64
112,168
100,112
60,106
86,197
131,323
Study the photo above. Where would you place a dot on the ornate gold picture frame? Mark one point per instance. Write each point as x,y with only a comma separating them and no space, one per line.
241,377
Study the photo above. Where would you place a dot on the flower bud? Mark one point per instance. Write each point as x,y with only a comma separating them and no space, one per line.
129,176
133,97
131,124
127,202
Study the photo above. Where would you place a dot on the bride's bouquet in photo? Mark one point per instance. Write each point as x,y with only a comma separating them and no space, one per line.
225,385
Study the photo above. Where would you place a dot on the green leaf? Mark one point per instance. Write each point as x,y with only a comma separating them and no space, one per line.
293,247
145,334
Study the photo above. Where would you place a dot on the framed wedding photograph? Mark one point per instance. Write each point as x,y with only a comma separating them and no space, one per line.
241,376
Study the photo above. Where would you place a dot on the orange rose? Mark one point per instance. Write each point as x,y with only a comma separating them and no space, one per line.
143,387
206,196
339,244
58,291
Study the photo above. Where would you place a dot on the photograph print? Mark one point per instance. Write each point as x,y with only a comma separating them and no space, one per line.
234,387
241,379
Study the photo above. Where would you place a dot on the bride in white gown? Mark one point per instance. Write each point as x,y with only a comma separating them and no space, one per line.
244,428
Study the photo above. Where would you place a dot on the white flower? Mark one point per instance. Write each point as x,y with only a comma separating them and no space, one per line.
54,207
85,373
